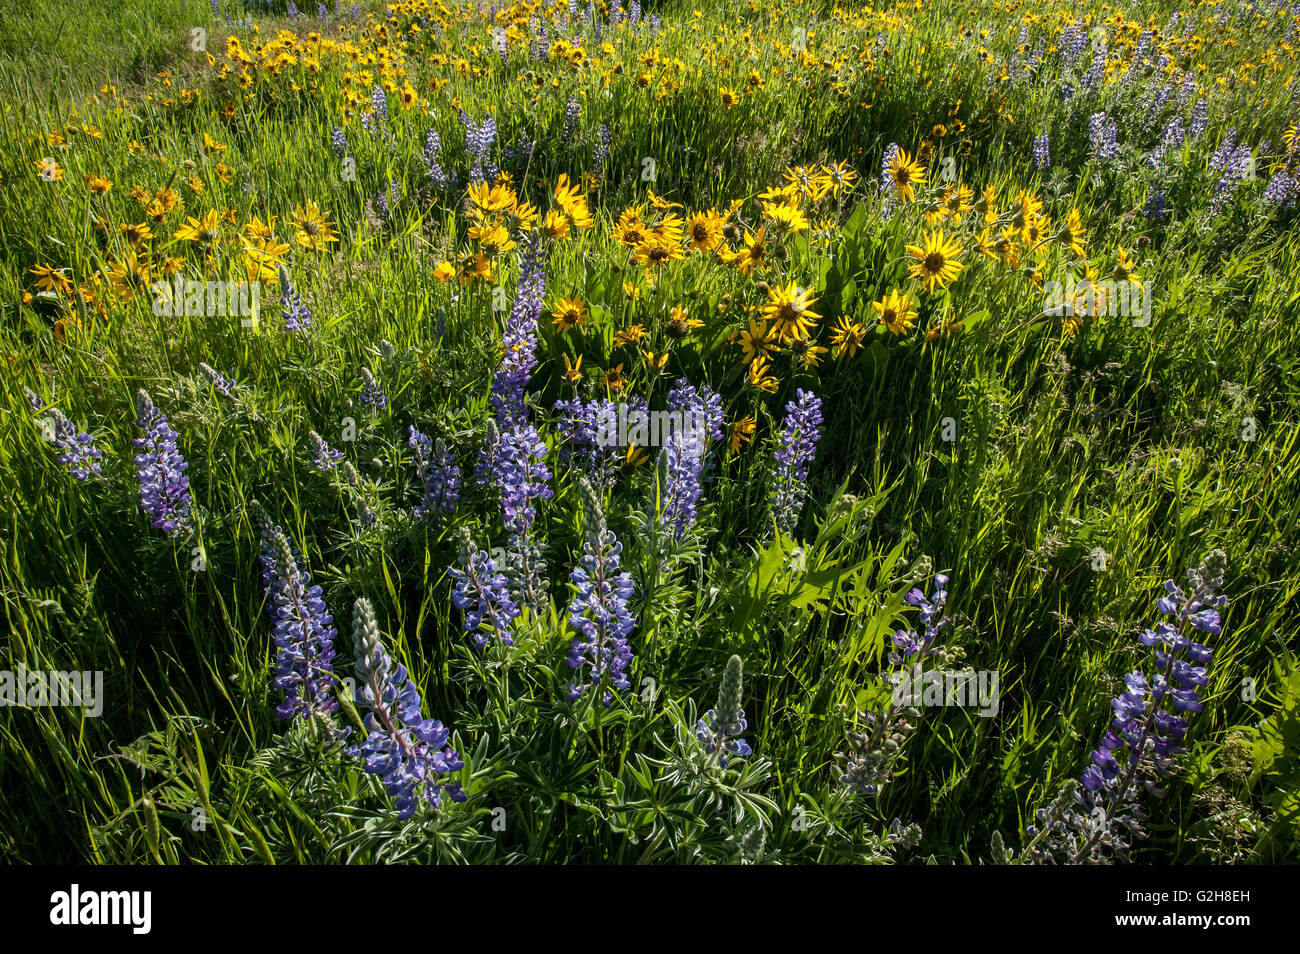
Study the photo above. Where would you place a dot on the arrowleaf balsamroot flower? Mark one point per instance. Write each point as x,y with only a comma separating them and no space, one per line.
302,628
721,726
598,610
795,451
483,593
407,750
164,488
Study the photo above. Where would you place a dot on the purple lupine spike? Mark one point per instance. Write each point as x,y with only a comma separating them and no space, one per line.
372,395
795,451
598,610
225,386
483,592
377,116
587,433
302,629
1156,208
479,138
1042,153
439,474
1282,190
77,451
908,641
1101,131
719,731
339,142
684,452
522,475
1097,71
297,316
432,148
323,457
409,752
572,117
1145,735
164,488
519,342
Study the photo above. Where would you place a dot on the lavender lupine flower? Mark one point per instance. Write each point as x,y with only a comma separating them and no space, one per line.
869,760
587,430
1172,138
338,142
323,457
479,138
700,409
1156,208
302,629
1042,153
1097,71
432,148
682,458
598,609
722,725
224,385
1101,131
1234,163
322,12
681,462
372,395
572,116
1200,118
483,592
795,451
297,316
439,474
522,475
891,152
291,11
908,641
411,753
164,488
1282,190
1072,43
377,116
519,342
77,451
1145,734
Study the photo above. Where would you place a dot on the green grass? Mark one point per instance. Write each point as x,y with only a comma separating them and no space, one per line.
1125,439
